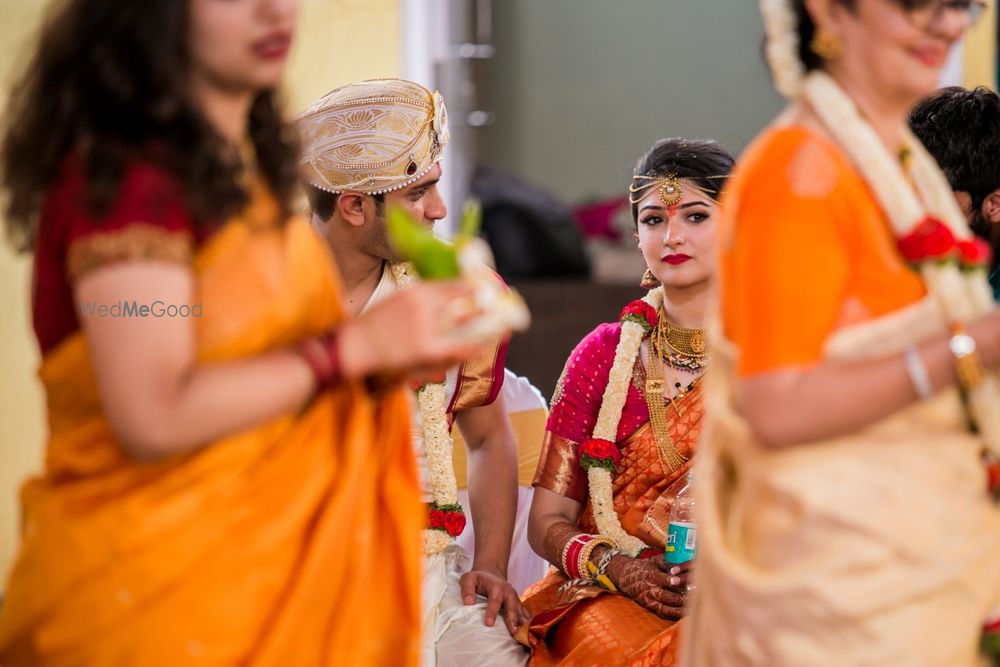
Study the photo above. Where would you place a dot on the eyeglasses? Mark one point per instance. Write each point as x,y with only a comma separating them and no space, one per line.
925,13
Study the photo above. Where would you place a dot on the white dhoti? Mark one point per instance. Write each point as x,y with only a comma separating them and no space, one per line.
454,633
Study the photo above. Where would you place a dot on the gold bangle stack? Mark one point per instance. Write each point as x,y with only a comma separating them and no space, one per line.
583,564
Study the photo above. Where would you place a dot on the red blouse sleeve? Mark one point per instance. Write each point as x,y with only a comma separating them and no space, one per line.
580,389
575,406
148,221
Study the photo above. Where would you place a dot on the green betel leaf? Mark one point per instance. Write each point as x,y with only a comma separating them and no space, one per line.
472,217
433,258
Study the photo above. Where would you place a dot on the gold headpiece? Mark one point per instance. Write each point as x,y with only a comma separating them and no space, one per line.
372,137
669,186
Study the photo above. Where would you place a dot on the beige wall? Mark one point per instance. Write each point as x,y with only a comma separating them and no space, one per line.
980,54
338,41
21,414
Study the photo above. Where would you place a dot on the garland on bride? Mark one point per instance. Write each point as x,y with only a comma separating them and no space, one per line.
599,455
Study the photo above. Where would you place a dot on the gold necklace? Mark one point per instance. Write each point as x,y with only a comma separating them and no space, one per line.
680,348
669,456
690,342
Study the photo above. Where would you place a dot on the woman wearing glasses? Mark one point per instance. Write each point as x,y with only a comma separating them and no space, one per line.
846,515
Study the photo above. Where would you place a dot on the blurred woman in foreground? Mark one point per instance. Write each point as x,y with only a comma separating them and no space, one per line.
222,484
845,513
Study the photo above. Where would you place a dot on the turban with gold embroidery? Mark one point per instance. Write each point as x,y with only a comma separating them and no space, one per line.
372,137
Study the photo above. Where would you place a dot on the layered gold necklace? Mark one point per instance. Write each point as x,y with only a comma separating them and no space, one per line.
680,348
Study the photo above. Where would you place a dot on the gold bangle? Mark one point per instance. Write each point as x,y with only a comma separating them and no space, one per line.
583,564
968,367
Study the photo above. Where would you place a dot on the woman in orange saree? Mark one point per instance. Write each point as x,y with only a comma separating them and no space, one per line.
221,484
630,395
845,516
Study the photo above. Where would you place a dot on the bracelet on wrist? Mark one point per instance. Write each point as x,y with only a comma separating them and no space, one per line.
917,370
571,555
584,564
322,354
968,367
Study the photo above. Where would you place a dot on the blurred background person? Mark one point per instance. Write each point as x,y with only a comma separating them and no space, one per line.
222,482
650,438
844,512
403,127
961,130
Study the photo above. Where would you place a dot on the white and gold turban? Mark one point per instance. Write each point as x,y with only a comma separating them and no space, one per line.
372,137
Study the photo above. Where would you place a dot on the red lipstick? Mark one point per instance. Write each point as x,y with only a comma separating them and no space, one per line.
274,46
931,56
675,260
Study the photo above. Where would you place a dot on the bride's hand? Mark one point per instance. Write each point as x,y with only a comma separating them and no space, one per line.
648,585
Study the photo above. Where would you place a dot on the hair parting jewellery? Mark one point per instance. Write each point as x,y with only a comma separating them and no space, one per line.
669,186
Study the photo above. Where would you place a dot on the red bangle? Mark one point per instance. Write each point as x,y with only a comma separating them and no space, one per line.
571,561
323,356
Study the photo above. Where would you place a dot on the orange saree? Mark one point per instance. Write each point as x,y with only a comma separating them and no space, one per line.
877,547
587,625
278,545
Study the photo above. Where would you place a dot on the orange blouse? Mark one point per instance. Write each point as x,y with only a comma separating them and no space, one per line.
805,250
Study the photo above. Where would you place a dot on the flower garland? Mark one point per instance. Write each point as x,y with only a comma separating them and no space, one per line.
599,455
782,46
932,233
446,519
931,229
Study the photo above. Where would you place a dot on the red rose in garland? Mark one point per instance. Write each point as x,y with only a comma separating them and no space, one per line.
454,523
600,453
930,240
640,312
449,518
435,519
975,253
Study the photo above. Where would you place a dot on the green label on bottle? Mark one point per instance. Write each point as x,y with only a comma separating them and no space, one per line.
682,542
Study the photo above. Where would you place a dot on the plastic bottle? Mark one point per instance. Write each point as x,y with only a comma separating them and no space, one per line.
682,535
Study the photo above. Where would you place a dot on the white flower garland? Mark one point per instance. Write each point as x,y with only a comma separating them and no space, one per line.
612,402
782,46
438,444
962,297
